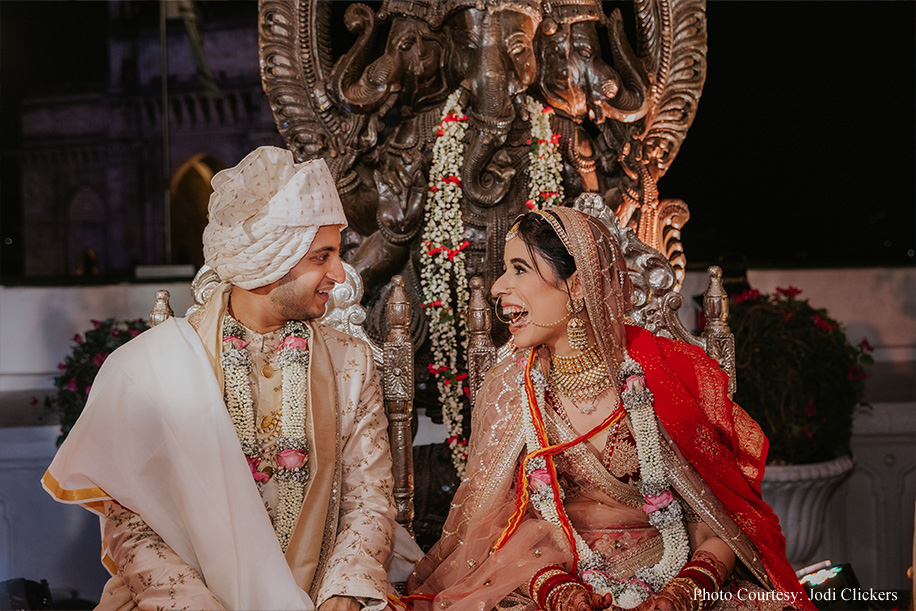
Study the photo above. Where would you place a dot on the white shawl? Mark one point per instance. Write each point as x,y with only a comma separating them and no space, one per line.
156,413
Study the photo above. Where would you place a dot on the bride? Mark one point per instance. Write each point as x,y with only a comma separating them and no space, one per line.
608,468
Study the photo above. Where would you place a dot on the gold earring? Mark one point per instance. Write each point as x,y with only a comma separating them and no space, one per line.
575,328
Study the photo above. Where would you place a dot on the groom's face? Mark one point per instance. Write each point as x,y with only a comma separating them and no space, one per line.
303,293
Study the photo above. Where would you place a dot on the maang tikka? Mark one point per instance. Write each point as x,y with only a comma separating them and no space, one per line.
575,328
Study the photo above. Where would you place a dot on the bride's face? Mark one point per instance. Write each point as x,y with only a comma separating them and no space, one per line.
530,292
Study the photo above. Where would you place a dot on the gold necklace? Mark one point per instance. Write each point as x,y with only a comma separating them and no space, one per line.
580,377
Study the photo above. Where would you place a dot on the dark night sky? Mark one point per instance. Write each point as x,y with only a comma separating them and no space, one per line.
803,151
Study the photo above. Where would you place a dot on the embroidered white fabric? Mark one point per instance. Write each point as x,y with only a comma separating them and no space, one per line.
264,214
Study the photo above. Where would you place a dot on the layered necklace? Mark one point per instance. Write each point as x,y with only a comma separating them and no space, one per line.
538,483
582,377
290,451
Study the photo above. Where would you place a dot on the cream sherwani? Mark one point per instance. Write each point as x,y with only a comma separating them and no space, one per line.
155,454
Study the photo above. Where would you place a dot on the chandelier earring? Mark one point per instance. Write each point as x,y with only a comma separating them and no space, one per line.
575,328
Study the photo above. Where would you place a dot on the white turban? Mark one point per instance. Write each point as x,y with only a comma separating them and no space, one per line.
264,214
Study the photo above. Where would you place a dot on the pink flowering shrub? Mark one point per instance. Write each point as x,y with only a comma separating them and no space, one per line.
80,367
798,375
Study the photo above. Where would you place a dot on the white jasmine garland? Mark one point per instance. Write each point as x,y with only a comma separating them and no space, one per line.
292,446
444,245
668,519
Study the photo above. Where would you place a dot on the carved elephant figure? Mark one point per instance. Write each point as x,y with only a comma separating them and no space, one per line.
492,58
409,73
575,80
390,196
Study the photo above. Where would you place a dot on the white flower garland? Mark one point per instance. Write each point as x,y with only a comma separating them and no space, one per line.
664,511
444,245
291,451
443,242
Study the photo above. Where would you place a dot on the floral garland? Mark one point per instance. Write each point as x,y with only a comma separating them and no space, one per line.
292,448
546,170
444,243
664,511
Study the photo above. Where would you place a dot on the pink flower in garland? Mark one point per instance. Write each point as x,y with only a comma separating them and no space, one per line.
635,383
237,342
292,459
539,479
654,502
71,386
253,465
292,342
98,359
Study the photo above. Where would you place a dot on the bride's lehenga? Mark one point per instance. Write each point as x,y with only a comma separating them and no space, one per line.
711,451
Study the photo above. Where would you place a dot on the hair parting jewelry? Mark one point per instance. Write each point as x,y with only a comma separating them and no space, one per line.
558,228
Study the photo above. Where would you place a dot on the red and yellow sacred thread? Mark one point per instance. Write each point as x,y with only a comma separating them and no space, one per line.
548,452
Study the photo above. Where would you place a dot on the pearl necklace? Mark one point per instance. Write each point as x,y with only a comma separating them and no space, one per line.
291,450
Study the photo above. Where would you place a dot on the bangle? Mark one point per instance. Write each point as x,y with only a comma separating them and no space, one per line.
563,591
537,582
552,587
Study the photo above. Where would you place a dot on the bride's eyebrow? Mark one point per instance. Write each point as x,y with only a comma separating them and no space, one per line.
517,261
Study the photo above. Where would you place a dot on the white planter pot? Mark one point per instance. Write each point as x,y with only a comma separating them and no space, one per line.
799,494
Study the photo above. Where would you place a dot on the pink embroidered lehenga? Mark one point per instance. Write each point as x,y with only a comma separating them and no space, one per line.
711,450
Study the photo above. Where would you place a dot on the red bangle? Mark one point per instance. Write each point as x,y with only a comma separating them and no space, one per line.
552,583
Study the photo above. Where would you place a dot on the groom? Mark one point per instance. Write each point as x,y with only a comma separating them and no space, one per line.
239,458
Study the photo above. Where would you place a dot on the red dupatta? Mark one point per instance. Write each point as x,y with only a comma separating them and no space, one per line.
717,437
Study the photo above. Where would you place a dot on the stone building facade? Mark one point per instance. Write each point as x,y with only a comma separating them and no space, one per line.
92,185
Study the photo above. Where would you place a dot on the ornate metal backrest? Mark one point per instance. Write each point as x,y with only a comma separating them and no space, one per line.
394,358
656,302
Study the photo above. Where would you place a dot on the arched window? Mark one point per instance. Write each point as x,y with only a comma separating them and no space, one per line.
190,191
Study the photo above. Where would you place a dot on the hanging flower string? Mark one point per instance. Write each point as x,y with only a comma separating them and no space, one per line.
444,243
291,452
546,187
539,484
444,265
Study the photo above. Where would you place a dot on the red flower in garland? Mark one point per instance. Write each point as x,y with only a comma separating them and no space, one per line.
788,292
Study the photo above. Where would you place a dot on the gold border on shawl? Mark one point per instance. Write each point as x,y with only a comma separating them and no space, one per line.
80,496
691,487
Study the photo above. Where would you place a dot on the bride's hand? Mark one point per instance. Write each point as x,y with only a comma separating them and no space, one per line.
580,599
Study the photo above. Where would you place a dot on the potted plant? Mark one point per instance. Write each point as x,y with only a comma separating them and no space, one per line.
80,367
801,379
